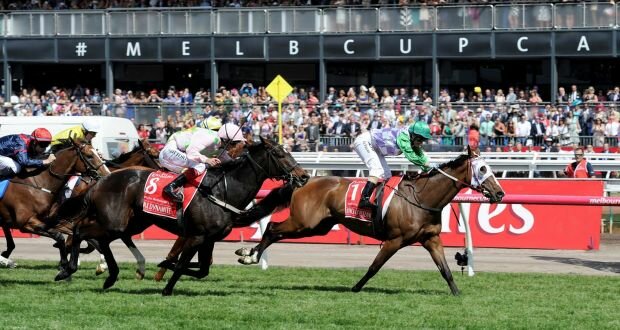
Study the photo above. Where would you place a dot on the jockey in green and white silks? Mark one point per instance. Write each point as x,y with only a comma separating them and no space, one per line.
374,145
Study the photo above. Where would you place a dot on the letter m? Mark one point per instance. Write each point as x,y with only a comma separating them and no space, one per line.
133,49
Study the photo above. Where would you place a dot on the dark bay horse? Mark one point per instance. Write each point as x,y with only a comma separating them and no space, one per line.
113,208
414,214
30,195
144,154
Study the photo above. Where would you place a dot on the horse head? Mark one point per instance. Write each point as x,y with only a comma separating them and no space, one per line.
81,157
482,178
276,162
149,149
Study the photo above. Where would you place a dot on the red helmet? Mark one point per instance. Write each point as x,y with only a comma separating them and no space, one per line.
42,135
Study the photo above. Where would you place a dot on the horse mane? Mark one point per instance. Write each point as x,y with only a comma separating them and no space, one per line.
124,156
451,164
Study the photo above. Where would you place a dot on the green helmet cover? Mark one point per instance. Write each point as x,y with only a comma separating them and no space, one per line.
420,128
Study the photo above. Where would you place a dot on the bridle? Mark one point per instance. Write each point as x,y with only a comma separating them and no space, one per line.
476,182
91,170
288,175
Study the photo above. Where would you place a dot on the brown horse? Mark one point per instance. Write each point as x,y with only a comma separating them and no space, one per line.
414,215
144,154
30,195
113,208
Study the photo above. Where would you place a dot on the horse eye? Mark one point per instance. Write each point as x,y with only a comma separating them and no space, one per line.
483,169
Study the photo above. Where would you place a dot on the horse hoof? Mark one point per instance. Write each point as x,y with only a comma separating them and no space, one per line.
8,263
158,276
242,252
166,292
100,270
168,264
139,275
356,289
109,282
62,275
247,260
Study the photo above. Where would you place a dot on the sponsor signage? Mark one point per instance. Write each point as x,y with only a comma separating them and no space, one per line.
340,47
239,48
293,47
584,43
522,44
464,45
406,45
81,49
492,225
134,49
40,50
348,47
186,48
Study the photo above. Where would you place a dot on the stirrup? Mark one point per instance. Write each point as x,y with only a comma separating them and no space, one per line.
174,193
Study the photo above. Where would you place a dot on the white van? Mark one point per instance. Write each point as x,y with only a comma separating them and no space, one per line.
117,135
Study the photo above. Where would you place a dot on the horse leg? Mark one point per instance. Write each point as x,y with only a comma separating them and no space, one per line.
435,248
283,230
189,250
141,270
10,246
75,255
387,251
171,258
205,253
112,266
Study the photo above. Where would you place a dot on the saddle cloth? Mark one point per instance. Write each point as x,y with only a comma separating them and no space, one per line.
354,194
155,202
3,185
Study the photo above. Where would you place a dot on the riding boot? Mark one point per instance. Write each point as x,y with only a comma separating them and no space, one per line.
366,193
172,188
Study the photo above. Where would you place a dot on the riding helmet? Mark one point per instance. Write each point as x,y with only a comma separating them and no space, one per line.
420,128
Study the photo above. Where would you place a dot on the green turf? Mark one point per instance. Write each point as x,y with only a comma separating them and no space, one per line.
285,298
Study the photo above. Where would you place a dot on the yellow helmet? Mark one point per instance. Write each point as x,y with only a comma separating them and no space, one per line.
212,123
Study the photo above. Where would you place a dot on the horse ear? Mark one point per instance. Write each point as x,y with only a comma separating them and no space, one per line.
469,150
141,144
72,139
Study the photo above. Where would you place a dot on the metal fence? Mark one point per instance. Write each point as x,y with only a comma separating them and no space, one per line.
285,20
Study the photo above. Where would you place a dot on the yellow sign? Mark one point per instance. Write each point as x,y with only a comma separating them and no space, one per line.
279,89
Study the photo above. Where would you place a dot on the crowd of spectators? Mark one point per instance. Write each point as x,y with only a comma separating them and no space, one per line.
495,118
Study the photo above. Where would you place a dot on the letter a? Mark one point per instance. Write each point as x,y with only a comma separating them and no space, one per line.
583,43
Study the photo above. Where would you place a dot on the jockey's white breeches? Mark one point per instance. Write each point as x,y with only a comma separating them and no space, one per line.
374,161
7,163
176,161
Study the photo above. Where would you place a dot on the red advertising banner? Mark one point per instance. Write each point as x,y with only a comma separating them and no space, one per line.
500,225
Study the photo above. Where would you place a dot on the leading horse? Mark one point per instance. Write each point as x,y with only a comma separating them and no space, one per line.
113,208
30,195
414,215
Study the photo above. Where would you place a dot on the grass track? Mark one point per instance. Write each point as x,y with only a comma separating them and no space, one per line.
238,297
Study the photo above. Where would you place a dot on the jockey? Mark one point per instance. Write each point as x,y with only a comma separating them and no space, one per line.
17,150
85,132
194,149
372,147
213,123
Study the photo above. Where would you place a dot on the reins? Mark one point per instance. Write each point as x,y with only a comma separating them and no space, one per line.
419,204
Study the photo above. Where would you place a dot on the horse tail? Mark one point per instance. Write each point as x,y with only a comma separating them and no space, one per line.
277,199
